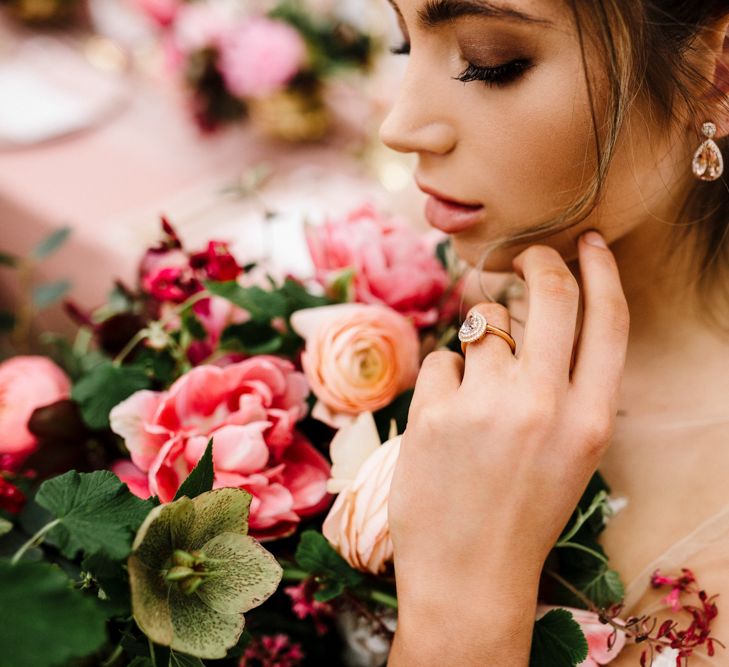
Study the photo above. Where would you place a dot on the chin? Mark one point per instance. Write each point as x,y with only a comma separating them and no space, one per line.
500,260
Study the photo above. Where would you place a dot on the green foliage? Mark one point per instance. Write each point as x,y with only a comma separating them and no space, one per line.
201,478
315,555
51,243
96,513
49,293
105,386
45,621
262,305
558,641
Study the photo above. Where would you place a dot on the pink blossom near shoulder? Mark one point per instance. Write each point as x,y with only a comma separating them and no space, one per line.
392,263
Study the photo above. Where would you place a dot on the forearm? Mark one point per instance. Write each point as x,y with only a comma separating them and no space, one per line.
470,630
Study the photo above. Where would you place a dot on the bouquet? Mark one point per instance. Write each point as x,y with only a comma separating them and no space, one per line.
268,62
202,474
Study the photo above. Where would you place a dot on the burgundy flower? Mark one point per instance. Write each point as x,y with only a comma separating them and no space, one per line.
272,651
304,605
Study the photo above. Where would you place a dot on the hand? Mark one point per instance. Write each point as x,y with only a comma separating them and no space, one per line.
499,448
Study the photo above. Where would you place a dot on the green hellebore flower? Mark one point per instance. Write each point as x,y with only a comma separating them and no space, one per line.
194,572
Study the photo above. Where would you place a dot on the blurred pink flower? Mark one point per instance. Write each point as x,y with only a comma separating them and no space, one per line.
272,651
250,409
393,263
26,383
304,605
595,632
162,12
358,357
260,56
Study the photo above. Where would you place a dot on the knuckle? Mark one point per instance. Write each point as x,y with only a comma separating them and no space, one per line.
438,359
559,283
495,310
596,433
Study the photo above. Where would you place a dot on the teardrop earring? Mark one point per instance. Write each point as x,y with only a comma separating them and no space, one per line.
708,162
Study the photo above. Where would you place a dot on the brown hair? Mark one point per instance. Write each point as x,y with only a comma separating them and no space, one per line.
650,47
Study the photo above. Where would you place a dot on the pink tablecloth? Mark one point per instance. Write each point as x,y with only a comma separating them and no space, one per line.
111,183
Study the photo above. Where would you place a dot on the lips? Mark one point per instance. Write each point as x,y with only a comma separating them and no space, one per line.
449,215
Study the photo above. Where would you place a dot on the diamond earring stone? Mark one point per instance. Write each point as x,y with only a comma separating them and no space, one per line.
708,162
473,327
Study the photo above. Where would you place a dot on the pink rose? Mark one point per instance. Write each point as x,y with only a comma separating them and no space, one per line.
260,56
250,409
26,383
393,264
595,632
358,357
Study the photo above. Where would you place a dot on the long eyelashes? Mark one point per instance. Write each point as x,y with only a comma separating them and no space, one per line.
501,75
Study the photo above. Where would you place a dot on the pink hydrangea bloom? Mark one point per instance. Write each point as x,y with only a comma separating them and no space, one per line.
250,409
260,56
393,263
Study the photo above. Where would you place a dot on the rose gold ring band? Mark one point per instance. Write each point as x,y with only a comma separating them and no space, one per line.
493,330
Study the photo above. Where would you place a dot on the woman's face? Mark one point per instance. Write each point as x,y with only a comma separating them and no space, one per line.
522,144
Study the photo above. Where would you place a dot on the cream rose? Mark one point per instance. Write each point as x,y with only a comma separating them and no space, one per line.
357,525
358,357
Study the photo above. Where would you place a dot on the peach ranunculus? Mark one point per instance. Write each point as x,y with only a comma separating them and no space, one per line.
595,632
394,264
358,357
357,525
26,383
250,410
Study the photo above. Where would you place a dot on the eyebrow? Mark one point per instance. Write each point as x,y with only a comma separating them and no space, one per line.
437,12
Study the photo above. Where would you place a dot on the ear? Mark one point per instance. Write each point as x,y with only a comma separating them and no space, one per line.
715,67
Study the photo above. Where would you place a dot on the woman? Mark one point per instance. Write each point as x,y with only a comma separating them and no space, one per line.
542,119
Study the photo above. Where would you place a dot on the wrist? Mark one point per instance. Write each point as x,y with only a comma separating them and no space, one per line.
474,626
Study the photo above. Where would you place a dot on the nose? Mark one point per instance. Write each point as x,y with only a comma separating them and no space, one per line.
418,121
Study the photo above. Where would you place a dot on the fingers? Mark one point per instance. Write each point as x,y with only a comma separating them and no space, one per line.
491,353
440,375
549,334
602,347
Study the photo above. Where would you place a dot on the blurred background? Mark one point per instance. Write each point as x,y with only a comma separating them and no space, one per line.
236,120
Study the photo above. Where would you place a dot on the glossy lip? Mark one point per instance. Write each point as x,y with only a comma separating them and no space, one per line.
450,215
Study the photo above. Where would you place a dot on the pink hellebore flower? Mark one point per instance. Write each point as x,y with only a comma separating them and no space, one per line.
250,409
393,264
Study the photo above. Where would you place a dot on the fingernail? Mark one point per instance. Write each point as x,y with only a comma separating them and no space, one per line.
594,238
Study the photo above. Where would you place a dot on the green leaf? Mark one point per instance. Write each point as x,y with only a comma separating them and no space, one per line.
5,526
46,295
182,660
315,555
603,588
51,243
8,260
97,511
45,621
104,387
299,297
342,287
110,577
252,338
201,478
262,305
558,641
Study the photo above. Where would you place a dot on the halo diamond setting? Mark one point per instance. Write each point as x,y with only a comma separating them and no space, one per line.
473,327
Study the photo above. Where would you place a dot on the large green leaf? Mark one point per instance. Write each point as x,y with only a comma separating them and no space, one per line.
104,387
558,641
96,510
201,478
45,621
47,294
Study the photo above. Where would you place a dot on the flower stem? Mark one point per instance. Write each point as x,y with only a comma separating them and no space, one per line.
152,655
383,598
33,541
294,574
